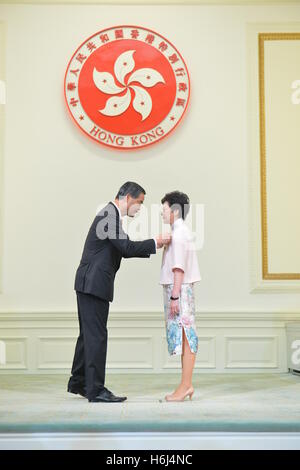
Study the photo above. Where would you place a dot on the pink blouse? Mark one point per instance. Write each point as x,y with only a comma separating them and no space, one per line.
181,253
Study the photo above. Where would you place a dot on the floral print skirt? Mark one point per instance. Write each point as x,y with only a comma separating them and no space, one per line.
184,319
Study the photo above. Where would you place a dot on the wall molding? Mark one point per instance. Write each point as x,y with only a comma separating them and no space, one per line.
152,316
44,342
153,2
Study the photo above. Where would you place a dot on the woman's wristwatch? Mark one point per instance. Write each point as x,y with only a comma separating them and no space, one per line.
174,298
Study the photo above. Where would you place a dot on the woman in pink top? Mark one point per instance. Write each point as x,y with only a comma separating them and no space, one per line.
179,272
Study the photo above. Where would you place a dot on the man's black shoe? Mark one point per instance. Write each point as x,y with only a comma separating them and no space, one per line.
78,391
111,393
107,397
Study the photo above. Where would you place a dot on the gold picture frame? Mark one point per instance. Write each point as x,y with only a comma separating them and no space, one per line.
262,38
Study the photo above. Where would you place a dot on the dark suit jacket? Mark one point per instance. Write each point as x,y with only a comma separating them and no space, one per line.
105,245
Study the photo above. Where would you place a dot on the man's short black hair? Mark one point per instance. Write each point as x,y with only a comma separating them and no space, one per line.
131,188
178,200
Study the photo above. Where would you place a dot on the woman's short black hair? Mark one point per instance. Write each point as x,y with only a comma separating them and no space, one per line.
178,200
131,188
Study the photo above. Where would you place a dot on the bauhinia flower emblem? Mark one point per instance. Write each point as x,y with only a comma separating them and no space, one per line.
142,102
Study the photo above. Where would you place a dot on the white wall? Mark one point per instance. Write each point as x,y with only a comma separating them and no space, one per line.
55,177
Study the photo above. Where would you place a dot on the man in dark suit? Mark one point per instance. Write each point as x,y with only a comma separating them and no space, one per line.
106,244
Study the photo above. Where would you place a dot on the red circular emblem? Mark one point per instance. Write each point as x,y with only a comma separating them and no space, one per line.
127,87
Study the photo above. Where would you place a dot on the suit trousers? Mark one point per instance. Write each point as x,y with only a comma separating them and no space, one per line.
89,361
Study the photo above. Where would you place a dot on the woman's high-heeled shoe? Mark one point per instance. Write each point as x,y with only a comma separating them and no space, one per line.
189,393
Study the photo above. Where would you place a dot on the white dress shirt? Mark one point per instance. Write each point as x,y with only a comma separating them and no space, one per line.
121,221
118,209
181,253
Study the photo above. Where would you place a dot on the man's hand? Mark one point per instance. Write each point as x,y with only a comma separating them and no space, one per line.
163,239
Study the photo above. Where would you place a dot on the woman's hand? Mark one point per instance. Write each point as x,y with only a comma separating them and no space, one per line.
174,307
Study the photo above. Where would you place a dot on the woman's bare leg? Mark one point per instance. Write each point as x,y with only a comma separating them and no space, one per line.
187,362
